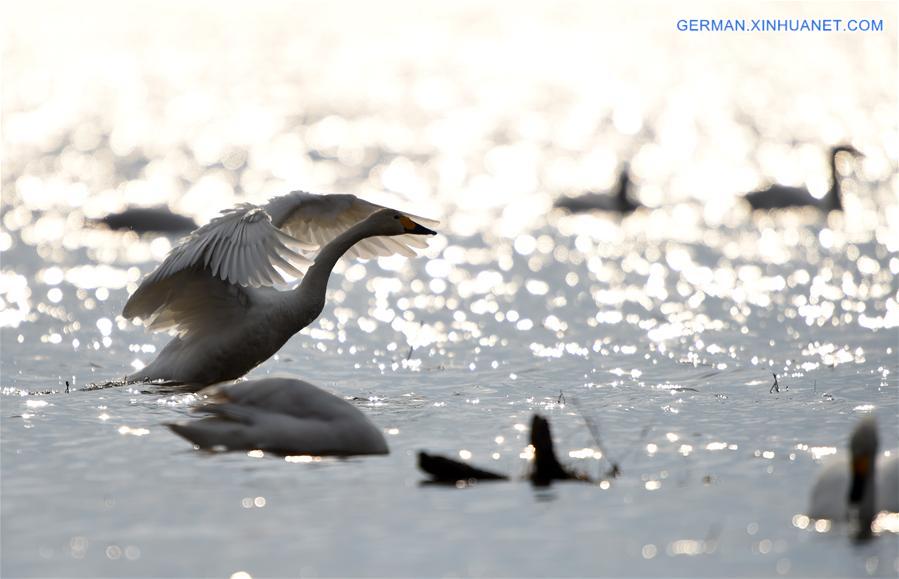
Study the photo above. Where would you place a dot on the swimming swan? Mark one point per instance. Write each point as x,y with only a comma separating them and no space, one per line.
149,219
782,196
619,201
212,289
281,415
867,483
546,467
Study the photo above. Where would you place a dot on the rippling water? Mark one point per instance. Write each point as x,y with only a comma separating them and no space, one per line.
665,326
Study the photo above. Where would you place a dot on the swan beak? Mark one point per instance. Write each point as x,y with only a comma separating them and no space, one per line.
861,469
852,151
412,227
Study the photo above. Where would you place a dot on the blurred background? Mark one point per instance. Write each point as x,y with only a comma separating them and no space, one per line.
668,321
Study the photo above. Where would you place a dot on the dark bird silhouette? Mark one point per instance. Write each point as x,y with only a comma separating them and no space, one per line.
784,197
149,219
447,470
546,467
618,201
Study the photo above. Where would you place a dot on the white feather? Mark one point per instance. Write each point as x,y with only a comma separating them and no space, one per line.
283,415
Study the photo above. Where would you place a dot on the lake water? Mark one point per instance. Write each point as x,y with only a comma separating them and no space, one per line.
664,327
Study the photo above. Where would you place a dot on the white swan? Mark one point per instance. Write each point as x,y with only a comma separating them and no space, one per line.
618,201
864,481
211,288
782,197
284,416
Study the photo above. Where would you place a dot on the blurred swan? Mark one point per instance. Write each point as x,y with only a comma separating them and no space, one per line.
782,196
618,201
546,467
281,415
213,289
149,219
863,481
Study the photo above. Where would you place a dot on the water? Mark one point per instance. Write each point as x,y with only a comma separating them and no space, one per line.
665,327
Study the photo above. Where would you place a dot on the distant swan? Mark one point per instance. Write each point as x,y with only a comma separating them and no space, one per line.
619,201
210,290
149,219
546,467
864,481
284,416
783,197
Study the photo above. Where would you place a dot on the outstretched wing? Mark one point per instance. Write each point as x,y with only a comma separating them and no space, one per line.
188,301
241,246
320,218
252,246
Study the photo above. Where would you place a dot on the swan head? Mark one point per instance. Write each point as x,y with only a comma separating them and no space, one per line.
846,149
392,222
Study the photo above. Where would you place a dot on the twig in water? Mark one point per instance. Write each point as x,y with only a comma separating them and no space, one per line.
774,387
710,544
409,355
643,434
592,427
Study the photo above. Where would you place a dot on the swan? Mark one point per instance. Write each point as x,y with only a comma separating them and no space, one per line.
281,415
546,467
213,289
149,219
618,202
864,481
782,196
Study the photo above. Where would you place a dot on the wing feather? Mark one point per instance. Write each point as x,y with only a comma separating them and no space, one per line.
188,301
321,218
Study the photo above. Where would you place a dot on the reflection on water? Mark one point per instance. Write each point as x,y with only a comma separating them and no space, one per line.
668,322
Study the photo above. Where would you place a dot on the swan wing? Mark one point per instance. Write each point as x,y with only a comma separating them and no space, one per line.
188,301
241,246
237,428
320,218
282,415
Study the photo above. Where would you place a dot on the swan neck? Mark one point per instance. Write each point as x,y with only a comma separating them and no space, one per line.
308,299
866,509
834,195
623,186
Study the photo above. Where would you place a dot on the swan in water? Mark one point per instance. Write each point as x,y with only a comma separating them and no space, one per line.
149,219
864,482
782,196
546,467
281,415
213,289
618,202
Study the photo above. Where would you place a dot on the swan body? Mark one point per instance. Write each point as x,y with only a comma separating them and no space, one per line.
617,202
214,290
149,219
864,481
281,415
784,197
